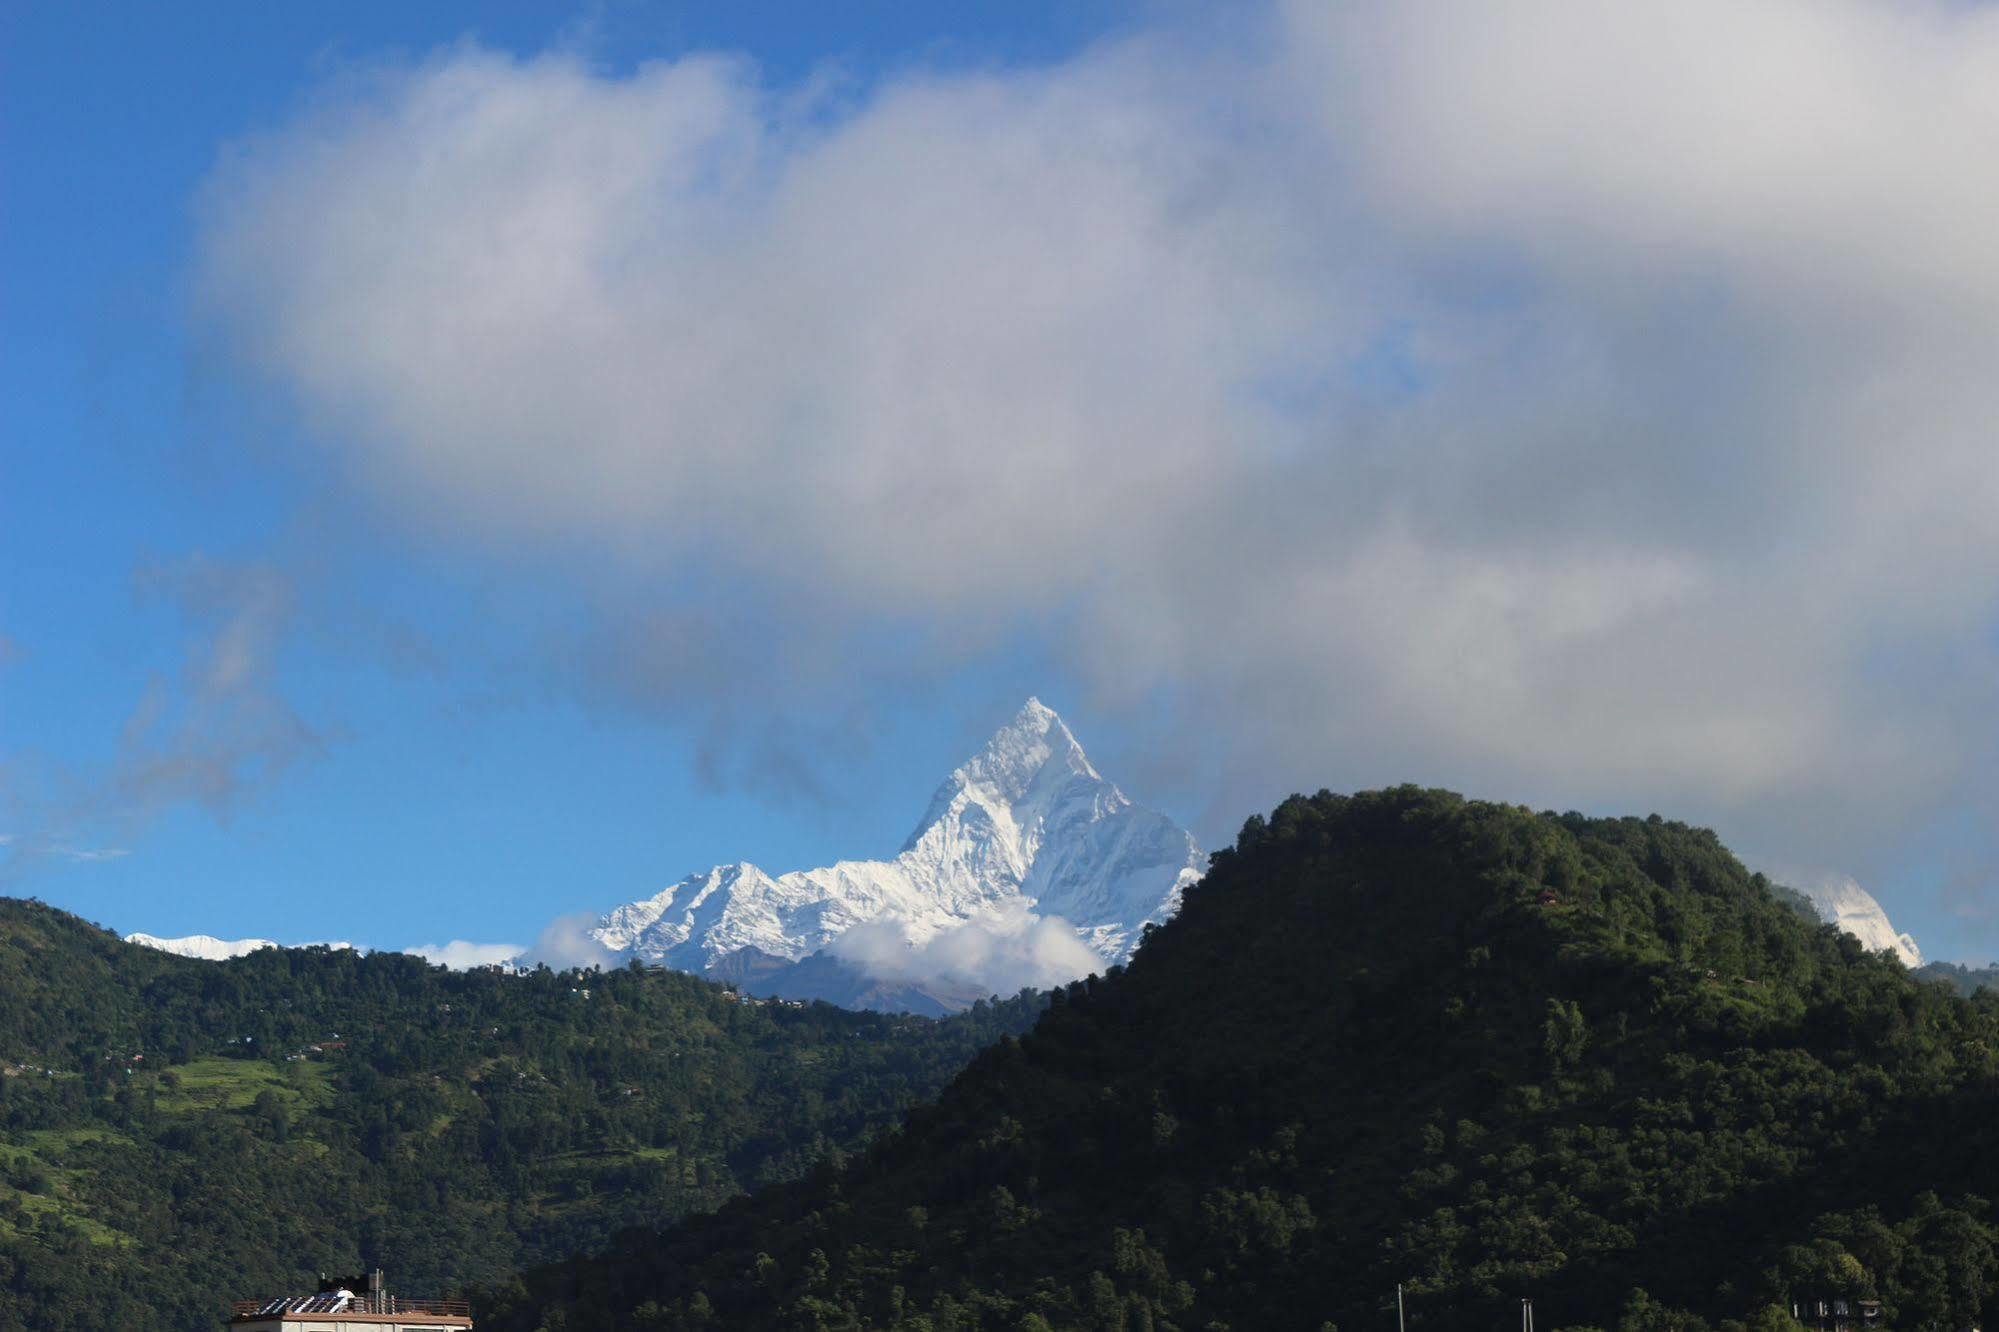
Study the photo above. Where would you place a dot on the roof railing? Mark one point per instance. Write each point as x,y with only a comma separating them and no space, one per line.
391,1304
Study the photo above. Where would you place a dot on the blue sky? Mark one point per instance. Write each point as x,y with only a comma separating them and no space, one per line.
464,464
437,799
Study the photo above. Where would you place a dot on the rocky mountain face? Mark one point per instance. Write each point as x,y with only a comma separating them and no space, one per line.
1029,868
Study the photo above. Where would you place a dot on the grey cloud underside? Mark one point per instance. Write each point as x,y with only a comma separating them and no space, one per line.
1029,869
1570,403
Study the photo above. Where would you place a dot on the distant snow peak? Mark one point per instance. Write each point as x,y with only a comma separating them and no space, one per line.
1023,838
204,946
1840,900
208,948
458,955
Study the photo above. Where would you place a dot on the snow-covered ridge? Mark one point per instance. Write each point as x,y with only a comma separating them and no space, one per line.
1024,830
204,946
458,955
1840,900
208,948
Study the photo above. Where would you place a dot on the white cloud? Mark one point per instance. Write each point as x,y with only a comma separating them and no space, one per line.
565,942
1579,403
1000,952
462,954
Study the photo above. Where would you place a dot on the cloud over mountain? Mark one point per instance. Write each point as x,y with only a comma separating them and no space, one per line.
1002,952
464,954
1579,403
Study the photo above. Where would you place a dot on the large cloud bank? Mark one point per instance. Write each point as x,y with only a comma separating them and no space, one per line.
1575,402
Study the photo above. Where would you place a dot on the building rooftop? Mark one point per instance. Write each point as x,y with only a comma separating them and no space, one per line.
349,1313
337,1305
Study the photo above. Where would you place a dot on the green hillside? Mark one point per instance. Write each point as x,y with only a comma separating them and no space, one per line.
176,1133
1402,1037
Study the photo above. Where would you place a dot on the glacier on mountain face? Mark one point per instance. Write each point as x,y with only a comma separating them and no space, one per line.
1840,900
1024,834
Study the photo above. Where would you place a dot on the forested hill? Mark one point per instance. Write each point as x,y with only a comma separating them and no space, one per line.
1402,1037
1961,979
176,1133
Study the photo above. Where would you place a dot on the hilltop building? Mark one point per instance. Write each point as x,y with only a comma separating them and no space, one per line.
349,1304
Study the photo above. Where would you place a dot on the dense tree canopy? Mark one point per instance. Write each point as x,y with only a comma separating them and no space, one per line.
1397,1037
1402,1037
176,1133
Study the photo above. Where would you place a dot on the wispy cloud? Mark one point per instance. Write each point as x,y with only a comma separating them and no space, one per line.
213,734
1580,403
220,729
88,855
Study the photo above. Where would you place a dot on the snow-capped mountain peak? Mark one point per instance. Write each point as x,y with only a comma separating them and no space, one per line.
1032,753
987,821
1025,829
1027,753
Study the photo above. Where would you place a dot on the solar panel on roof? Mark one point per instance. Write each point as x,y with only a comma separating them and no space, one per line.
334,1301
